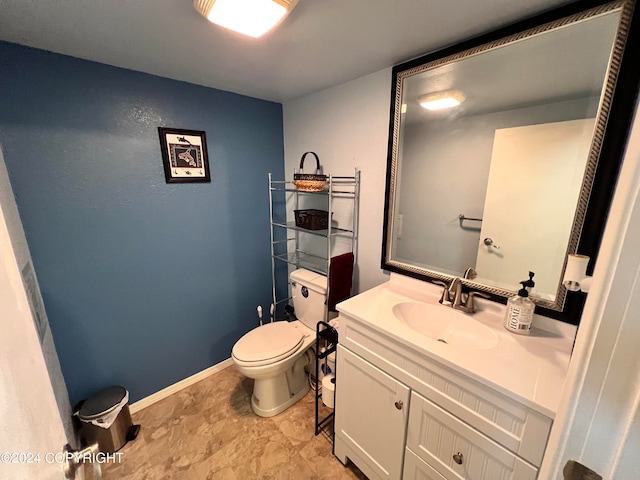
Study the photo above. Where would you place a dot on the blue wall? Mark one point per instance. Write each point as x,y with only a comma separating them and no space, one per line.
144,282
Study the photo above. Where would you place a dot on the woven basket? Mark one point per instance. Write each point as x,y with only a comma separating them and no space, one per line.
310,182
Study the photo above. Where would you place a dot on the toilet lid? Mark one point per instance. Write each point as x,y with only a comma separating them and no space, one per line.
271,341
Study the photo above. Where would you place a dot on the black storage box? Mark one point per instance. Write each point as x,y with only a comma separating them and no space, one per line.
312,219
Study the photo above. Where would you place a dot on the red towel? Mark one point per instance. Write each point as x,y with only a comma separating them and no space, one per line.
340,278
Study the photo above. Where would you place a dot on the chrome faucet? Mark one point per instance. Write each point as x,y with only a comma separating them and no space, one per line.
452,296
451,293
455,292
470,273
469,305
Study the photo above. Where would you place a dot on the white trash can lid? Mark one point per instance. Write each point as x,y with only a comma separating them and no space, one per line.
102,402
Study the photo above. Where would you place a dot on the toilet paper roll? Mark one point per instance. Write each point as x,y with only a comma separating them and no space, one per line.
329,390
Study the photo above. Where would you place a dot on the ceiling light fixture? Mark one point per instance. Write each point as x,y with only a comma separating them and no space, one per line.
249,17
440,100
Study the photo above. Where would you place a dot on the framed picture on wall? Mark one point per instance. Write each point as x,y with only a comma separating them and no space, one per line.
184,155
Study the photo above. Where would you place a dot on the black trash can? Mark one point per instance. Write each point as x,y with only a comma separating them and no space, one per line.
97,423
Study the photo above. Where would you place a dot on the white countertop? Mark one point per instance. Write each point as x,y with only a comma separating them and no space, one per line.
528,368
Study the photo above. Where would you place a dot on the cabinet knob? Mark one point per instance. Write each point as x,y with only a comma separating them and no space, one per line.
458,458
399,404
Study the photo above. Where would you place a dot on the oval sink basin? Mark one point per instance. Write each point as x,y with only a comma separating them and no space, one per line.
446,325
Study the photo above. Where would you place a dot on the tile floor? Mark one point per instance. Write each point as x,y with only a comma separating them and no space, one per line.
208,431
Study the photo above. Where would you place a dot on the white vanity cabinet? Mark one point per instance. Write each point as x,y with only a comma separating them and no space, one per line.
402,414
373,417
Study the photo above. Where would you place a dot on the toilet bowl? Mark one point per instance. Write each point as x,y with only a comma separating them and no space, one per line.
275,355
279,378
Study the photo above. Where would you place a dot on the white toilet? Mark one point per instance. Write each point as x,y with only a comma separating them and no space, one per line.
275,354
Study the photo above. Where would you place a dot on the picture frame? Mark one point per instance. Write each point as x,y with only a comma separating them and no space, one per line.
184,155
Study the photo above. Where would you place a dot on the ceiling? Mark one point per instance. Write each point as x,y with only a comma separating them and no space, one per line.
322,43
565,63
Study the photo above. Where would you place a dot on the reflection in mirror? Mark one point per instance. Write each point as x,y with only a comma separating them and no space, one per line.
499,181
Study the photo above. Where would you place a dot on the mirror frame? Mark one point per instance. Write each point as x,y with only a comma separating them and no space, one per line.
613,122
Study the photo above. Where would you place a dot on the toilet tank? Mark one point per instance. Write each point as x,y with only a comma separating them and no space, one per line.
309,292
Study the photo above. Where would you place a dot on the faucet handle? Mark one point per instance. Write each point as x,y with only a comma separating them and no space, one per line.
470,303
445,298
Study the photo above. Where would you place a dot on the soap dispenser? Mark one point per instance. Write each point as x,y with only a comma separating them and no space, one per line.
519,315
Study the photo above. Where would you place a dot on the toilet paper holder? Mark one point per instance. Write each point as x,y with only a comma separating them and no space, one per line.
575,273
326,344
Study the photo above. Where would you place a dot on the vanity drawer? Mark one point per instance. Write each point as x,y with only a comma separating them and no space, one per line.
457,451
510,423
415,467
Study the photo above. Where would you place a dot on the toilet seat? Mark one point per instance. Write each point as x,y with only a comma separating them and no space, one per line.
268,343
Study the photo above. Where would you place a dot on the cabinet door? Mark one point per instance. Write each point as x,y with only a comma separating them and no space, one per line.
458,451
371,417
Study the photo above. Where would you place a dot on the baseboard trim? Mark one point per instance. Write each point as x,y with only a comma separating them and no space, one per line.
176,387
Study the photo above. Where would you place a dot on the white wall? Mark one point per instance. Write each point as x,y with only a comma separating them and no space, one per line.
347,126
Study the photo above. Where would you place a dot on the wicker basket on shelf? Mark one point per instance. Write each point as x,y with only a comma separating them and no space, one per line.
310,182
